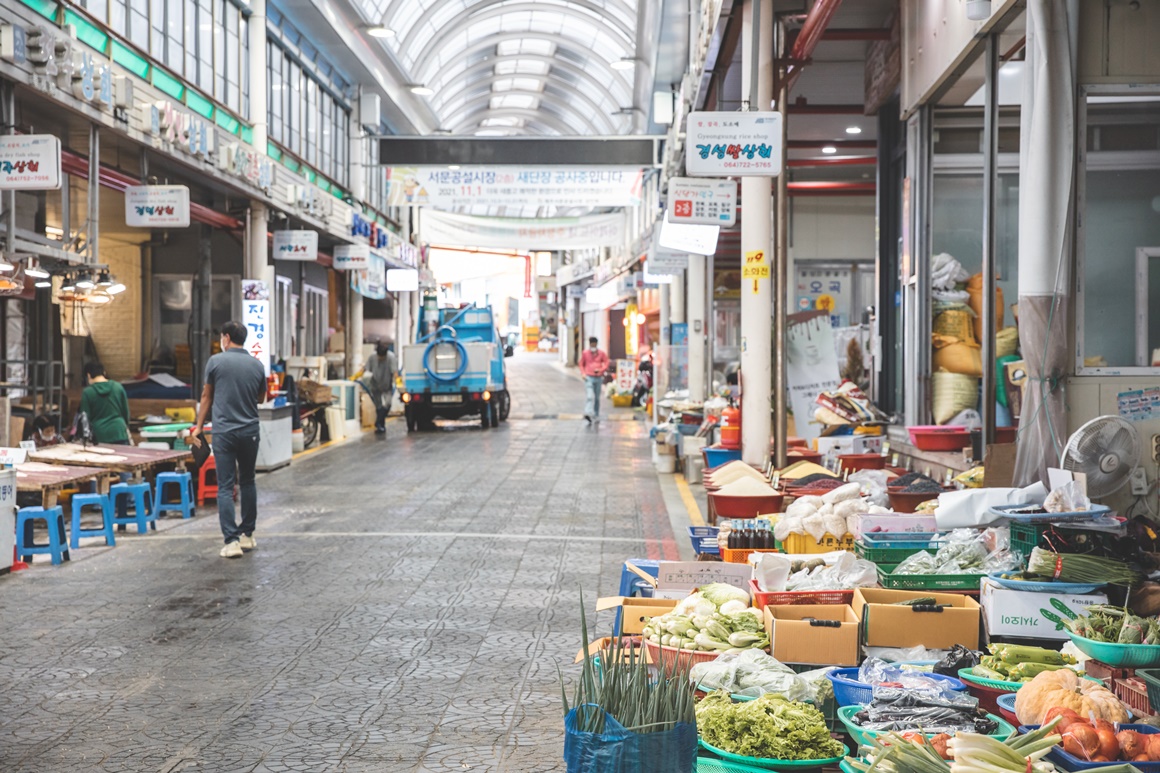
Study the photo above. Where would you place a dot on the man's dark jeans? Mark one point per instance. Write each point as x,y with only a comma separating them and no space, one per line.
235,455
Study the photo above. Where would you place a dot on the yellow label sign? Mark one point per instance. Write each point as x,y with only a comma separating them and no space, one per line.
755,272
825,303
755,268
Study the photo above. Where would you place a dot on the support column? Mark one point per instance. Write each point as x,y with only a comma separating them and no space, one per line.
259,73
661,361
990,183
756,243
353,323
781,290
696,318
93,227
257,257
677,300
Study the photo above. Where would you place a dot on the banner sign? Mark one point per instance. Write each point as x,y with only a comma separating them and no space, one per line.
513,186
451,230
371,282
698,239
663,261
733,144
352,257
296,245
29,162
402,280
256,318
811,367
157,206
704,202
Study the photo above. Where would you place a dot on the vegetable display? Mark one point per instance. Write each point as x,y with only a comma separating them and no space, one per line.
1068,567
1063,689
964,552
1099,741
715,619
1105,623
752,673
899,710
1019,663
770,727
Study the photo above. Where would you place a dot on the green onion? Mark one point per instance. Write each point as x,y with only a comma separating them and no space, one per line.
1067,567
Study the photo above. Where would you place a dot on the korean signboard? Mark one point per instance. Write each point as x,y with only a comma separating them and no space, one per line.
402,280
256,318
438,186
705,202
755,270
680,237
352,257
296,245
29,162
453,230
157,206
371,282
733,144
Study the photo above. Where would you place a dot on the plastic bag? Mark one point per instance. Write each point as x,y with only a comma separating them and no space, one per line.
958,657
916,654
873,483
619,750
847,572
1068,498
889,678
753,673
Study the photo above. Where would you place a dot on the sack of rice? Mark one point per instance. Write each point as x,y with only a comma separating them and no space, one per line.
963,357
952,393
975,290
954,323
1007,341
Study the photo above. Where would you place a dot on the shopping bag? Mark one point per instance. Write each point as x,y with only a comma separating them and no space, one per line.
619,750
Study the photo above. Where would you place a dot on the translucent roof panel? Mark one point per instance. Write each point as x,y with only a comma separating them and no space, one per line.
482,57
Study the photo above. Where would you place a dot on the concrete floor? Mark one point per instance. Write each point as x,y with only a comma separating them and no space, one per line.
406,609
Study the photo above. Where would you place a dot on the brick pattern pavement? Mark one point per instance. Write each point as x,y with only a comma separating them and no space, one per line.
406,610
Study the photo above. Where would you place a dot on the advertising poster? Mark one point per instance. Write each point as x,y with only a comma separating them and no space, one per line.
256,318
811,367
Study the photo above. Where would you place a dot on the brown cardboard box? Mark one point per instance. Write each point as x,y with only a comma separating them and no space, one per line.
797,640
634,610
886,625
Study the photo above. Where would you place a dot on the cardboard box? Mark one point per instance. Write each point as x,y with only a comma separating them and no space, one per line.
887,625
634,610
677,579
850,444
895,524
795,639
1031,615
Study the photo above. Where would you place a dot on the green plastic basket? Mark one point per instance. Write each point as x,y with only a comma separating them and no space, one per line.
1151,677
1119,655
893,556
995,684
930,581
1025,536
765,763
711,765
863,737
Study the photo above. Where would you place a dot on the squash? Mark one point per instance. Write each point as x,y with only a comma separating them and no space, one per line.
1065,689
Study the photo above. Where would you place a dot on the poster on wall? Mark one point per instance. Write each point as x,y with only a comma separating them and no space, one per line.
371,282
256,318
296,245
29,162
157,206
352,257
514,186
811,367
625,375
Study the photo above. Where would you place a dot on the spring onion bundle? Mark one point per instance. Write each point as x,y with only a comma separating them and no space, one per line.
970,752
1067,567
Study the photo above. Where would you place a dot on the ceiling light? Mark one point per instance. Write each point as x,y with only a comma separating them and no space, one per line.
627,63
5,265
98,298
104,280
420,90
85,282
32,268
115,289
380,31
43,283
453,167
853,130
829,150
53,232
68,285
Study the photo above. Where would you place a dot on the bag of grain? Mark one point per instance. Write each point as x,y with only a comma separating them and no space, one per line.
957,356
975,289
1007,342
953,320
952,393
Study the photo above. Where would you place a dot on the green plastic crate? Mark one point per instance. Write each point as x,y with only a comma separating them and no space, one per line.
930,581
1025,536
714,765
1151,677
892,557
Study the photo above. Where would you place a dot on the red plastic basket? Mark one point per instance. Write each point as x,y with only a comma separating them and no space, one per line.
673,660
742,556
855,462
936,438
1134,692
762,599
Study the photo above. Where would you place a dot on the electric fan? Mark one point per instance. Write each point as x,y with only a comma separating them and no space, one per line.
1106,450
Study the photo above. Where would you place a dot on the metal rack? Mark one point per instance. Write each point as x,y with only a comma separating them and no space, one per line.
43,380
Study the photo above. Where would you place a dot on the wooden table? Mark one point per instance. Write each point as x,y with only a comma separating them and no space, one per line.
127,459
50,479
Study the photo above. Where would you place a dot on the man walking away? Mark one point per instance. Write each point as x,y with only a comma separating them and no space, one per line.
235,383
593,365
381,367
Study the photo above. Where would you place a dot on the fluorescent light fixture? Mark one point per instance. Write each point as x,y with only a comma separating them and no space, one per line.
380,31
829,150
419,90
85,282
453,167
853,130
53,232
43,283
33,269
68,285
115,289
5,265
627,63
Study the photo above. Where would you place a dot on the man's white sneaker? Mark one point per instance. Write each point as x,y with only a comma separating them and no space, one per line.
247,543
231,550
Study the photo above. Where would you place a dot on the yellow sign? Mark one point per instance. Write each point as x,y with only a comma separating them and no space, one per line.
755,268
825,303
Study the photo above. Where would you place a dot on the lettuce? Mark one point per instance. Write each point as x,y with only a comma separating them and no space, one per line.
770,727
719,593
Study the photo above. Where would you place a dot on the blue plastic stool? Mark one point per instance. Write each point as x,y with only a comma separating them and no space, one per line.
184,482
632,585
143,514
53,518
79,503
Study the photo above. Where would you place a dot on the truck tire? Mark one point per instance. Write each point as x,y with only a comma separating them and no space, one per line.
485,416
409,414
505,404
493,412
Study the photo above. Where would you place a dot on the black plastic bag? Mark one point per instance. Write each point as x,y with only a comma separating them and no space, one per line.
958,657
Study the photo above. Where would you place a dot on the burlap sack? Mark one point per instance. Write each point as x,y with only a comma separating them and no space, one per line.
975,290
963,357
952,393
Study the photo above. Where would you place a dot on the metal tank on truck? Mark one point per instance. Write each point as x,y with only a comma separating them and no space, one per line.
456,369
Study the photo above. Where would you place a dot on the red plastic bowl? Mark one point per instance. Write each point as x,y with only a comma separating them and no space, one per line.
907,503
796,454
855,462
745,507
935,438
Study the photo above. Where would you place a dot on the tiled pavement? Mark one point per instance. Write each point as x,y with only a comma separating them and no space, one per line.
406,609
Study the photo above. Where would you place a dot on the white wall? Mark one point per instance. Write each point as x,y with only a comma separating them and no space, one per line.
832,228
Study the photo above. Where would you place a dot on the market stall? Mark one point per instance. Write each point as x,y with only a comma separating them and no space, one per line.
45,482
134,460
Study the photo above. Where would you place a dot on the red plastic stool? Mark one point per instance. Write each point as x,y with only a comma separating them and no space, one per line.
205,490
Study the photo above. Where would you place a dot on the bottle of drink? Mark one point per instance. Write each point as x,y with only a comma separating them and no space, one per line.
723,533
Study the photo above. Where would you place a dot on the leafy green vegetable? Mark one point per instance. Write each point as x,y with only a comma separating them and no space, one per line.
770,727
720,593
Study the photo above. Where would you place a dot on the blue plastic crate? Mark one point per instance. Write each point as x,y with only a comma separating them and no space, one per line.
848,691
715,457
704,539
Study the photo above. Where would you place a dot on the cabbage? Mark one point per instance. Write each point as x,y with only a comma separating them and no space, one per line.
720,593
733,607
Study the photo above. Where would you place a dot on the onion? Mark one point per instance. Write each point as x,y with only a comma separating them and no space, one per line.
1132,744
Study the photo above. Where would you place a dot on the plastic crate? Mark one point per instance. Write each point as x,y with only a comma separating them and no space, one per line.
716,456
804,544
1099,670
704,539
762,599
1151,677
1025,536
930,581
742,556
893,549
1134,692
848,691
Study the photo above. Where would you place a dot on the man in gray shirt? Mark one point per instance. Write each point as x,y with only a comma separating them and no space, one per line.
235,383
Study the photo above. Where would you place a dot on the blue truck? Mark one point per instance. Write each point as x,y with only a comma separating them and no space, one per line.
456,368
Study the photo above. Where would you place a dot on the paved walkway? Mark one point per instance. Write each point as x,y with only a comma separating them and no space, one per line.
406,609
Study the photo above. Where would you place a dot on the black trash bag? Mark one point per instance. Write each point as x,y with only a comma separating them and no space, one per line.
958,657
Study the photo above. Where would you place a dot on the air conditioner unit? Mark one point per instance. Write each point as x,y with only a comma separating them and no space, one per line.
369,110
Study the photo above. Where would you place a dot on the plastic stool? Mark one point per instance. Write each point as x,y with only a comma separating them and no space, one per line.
206,490
79,503
119,496
53,518
632,585
184,482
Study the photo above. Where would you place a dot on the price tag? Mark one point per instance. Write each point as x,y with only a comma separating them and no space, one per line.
13,456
